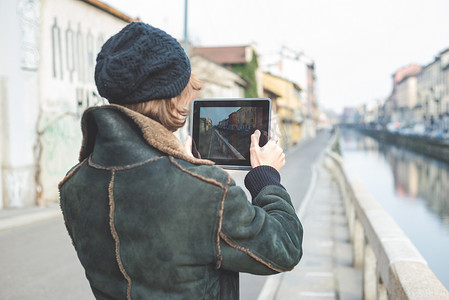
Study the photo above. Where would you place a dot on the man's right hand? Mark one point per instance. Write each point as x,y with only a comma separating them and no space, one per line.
269,155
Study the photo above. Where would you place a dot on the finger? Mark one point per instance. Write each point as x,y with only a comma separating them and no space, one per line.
255,137
270,145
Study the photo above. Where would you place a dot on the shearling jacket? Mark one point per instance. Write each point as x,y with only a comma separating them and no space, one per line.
148,221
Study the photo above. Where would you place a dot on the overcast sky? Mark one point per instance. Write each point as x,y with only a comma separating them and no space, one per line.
356,44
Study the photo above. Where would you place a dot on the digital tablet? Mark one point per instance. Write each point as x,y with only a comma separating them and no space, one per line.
221,129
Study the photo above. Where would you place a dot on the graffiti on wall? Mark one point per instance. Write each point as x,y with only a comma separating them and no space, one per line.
29,15
73,51
60,139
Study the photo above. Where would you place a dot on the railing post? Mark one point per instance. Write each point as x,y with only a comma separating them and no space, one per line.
358,244
381,291
369,274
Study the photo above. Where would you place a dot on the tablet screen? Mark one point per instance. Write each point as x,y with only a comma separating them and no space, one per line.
221,129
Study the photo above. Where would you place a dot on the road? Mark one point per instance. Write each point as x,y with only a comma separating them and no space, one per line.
295,177
39,262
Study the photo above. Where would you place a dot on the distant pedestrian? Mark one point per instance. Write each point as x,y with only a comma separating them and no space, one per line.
147,219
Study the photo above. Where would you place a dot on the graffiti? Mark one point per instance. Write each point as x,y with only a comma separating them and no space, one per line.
70,52
29,16
56,51
60,139
85,98
71,55
78,59
73,51
16,185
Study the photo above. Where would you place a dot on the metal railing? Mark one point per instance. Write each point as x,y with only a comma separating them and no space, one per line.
392,266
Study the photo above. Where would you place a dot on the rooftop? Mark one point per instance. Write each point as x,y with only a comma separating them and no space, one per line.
223,55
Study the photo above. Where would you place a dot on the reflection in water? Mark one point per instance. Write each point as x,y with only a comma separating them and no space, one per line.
413,188
420,177
415,176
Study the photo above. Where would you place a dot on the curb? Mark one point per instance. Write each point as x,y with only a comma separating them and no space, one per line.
29,218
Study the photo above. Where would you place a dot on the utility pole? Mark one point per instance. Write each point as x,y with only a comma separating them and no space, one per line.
186,37
183,132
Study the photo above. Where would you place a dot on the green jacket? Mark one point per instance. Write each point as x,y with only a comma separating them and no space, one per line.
149,221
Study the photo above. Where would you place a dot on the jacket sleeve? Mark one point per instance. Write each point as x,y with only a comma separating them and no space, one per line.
262,237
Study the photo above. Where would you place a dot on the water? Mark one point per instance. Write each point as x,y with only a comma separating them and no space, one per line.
413,188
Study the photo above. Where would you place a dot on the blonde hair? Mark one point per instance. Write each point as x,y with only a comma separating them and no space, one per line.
170,112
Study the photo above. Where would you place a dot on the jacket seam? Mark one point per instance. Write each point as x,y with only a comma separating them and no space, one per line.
121,168
251,254
209,180
70,174
220,211
220,222
115,235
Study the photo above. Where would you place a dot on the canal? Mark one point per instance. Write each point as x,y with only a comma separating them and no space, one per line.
413,188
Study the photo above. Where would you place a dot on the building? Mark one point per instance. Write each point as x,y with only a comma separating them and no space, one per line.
433,92
300,69
287,120
243,60
404,84
48,51
407,107
217,80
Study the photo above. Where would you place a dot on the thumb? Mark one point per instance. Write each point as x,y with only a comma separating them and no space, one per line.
255,137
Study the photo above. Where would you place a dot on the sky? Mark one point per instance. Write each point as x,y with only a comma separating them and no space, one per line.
217,114
356,44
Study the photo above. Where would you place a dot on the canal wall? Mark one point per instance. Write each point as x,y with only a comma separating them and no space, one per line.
391,265
438,149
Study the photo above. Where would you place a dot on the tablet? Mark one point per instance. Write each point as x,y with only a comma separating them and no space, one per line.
221,129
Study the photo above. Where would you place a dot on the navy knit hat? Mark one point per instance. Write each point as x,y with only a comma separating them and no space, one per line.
141,63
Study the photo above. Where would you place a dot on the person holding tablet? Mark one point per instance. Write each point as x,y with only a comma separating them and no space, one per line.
147,219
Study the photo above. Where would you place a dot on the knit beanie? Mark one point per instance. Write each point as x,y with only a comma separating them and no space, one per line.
141,63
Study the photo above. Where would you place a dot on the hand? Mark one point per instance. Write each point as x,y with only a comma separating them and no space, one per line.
191,151
269,155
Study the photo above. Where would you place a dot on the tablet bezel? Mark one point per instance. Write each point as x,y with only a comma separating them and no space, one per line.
233,164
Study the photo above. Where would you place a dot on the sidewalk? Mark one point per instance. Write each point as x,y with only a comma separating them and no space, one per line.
325,271
13,217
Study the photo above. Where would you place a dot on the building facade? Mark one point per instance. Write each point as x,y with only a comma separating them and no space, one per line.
287,121
217,81
48,52
433,92
419,100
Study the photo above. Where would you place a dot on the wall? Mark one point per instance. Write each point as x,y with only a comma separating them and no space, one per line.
47,56
72,33
217,81
288,106
19,61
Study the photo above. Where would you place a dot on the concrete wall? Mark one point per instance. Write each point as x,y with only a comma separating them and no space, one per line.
19,63
72,33
47,57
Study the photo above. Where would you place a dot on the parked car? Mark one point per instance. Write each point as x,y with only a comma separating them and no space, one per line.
437,134
419,129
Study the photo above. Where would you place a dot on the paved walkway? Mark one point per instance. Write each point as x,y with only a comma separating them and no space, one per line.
13,217
325,271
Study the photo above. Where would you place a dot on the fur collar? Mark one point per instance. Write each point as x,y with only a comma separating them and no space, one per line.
154,133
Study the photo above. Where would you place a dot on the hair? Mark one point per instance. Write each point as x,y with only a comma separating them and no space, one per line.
172,112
